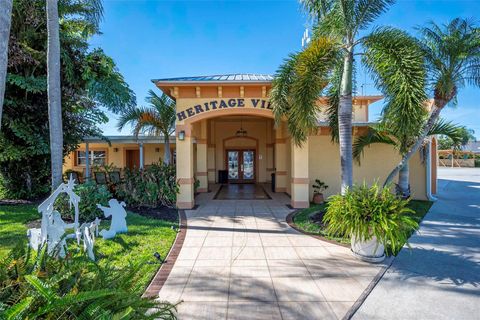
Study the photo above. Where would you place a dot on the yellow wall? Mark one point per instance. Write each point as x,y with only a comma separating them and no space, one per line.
377,162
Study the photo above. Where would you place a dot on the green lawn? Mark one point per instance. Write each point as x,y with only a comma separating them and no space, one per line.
145,236
303,222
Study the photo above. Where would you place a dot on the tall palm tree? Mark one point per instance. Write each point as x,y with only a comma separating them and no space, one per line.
158,119
386,132
452,54
54,93
326,67
5,21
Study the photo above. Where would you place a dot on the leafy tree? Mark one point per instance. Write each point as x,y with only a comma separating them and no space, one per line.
90,82
464,137
158,119
387,133
326,67
452,54
5,21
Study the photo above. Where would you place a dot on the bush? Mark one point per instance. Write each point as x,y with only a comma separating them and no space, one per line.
37,286
153,186
364,212
90,194
477,163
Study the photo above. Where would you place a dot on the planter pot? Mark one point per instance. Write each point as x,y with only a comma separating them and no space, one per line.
370,250
318,198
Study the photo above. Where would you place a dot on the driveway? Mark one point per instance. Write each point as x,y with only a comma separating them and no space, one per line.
241,260
440,277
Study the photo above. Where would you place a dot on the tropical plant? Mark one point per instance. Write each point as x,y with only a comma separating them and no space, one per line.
319,186
365,212
90,83
326,67
158,119
37,286
5,21
153,186
464,137
54,94
452,53
90,195
387,132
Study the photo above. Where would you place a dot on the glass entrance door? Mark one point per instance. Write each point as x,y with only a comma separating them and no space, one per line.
241,166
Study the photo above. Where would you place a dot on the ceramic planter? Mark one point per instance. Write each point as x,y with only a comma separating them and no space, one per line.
370,250
318,198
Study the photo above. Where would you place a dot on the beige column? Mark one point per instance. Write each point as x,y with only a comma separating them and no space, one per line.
211,163
202,174
300,180
280,160
185,197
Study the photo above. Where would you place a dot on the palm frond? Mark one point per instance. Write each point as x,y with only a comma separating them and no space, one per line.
397,66
366,11
374,135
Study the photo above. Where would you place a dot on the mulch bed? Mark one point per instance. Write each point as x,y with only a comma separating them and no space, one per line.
161,213
317,218
15,202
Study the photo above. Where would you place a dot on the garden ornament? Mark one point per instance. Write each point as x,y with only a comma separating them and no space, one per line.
118,214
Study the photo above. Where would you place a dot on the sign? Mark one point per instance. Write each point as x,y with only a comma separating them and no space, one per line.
223,104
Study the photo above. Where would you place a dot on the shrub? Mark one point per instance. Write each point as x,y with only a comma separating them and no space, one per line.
364,212
477,163
153,186
37,286
90,194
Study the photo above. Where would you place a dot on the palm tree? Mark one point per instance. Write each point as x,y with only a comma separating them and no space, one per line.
387,133
158,119
54,93
326,67
452,54
5,21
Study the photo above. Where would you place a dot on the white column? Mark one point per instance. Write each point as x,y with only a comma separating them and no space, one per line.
141,155
87,161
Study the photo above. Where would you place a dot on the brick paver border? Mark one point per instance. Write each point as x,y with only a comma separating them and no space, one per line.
162,274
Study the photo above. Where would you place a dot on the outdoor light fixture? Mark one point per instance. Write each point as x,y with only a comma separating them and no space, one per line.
157,149
158,256
181,135
115,149
241,132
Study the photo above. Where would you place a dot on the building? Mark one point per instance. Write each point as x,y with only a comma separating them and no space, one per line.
225,122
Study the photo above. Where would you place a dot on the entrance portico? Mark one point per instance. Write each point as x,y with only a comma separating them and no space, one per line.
225,133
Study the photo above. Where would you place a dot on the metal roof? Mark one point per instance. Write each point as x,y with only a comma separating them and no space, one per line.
233,77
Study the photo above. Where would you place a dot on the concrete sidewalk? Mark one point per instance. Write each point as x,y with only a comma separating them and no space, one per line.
440,277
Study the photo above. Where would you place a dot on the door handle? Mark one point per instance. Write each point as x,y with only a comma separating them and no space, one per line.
241,167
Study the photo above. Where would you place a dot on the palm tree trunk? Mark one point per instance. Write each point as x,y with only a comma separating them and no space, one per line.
345,122
166,156
404,181
54,93
434,114
5,22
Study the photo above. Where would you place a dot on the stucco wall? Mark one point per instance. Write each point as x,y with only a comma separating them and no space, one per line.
377,162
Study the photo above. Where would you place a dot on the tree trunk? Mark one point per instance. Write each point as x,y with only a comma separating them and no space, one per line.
345,122
5,22
434,114
404,181
54,93
166,156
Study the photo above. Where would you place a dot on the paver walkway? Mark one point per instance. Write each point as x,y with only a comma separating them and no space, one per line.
440,277
241,260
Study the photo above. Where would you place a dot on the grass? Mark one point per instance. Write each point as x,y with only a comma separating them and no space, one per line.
145,236
303,222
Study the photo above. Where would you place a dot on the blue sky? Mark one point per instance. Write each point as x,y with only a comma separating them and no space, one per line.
157,39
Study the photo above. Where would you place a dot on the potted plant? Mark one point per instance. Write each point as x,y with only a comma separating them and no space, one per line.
318,188
373,217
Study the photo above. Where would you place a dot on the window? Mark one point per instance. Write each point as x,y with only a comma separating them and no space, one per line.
97,158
